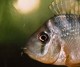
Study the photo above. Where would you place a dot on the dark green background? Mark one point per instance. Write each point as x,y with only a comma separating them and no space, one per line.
17,27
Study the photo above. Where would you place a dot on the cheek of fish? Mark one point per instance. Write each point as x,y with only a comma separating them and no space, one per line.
61,46
46,52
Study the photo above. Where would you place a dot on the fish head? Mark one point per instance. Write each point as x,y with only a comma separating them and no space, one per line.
45,44
56,42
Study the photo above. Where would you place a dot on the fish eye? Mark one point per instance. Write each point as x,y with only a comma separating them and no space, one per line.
43,37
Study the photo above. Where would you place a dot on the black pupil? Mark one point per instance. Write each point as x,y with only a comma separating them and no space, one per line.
43,37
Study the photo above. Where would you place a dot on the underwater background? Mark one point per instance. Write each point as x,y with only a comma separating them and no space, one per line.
16,28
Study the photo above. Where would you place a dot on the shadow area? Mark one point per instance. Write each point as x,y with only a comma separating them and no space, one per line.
10,56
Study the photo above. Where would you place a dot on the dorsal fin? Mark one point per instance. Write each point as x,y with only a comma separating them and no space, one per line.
65,7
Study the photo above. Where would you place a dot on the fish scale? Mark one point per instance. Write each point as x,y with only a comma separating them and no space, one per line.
70,25
67,25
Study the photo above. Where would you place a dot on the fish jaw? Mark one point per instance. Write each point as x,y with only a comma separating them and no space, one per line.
49,57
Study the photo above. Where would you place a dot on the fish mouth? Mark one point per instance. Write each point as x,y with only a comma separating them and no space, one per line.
49,55
41,58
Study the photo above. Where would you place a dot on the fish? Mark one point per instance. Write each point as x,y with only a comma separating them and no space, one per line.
57,41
